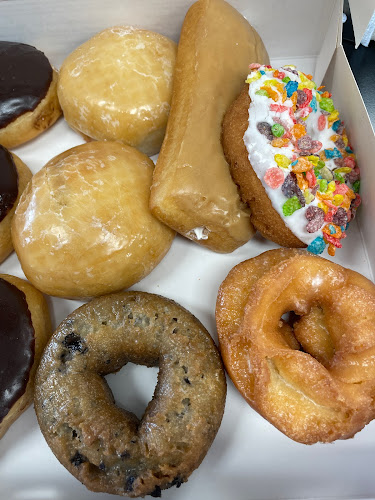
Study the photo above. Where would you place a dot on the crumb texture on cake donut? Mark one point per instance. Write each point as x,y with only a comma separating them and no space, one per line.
289,154
107,448
28,93
312,376
192,189
83,227
24,331
118,86
14,176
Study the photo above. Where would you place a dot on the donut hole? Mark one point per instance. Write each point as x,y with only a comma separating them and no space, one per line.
133,387
309,333
286,329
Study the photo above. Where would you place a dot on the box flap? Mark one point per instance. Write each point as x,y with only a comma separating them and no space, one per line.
361,13
331,41
291,30
340,81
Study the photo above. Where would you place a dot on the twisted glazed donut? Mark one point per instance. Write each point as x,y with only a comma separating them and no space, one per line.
315,379
107,448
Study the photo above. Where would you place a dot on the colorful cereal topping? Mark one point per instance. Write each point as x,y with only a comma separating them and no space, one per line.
274,177
307,165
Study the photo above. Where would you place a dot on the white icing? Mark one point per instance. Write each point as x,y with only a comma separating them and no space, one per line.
200,233
261,153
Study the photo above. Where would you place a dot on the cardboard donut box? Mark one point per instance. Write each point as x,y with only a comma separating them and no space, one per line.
249,459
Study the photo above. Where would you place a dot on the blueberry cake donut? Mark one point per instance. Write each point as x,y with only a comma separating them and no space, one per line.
107,448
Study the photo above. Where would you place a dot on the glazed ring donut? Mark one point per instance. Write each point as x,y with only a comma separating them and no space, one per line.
314,380
28,93
289,154
24,331
13,179
108,449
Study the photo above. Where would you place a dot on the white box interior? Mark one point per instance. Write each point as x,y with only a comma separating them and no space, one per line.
249,458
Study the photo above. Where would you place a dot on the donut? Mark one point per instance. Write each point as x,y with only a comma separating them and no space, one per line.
24,331
192,189
107,448
28,93
312,377
14,176
289,155
118,86
83,228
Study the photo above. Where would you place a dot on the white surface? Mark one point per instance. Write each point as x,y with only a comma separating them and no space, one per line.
249,458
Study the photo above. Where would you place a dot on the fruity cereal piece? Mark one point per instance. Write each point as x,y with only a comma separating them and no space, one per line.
298,130
291,205
277,130
322,122
279,142
274,177
302,165
282,160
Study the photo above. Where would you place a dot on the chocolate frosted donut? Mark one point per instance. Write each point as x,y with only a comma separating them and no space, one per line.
17,345
24,331
26,77
28,95
105,447
14,176
8,182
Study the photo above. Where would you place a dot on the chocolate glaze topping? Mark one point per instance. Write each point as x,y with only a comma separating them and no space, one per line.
25,77
17,345
8,182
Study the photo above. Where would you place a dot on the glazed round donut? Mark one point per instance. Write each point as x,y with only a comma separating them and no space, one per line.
289,154
313,379
118,86
101,235
13,179
24,331
28,93
109,449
